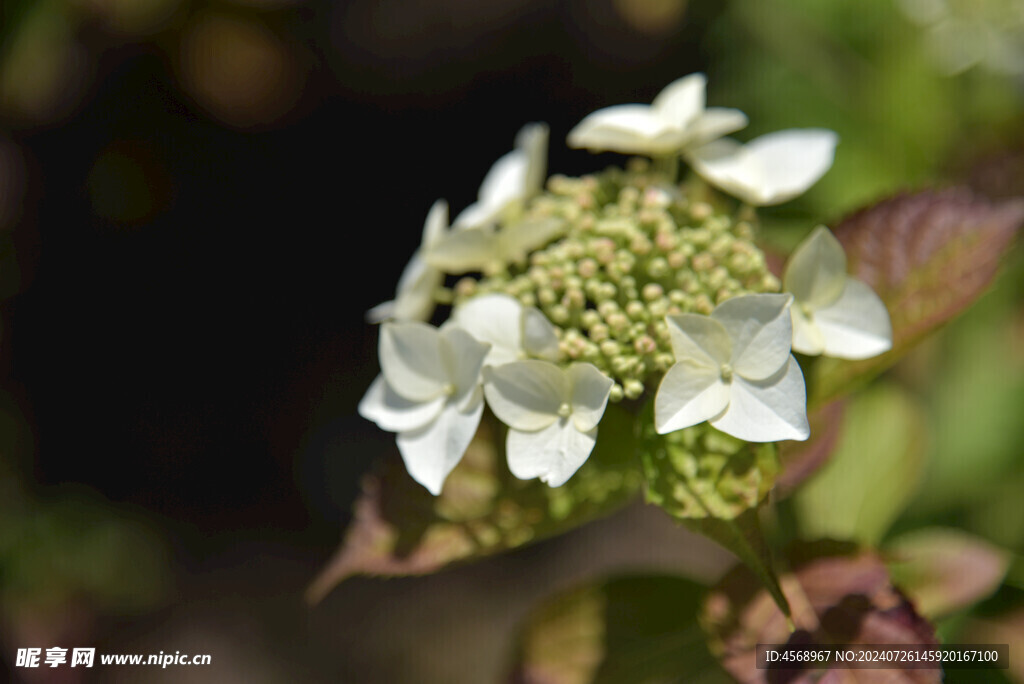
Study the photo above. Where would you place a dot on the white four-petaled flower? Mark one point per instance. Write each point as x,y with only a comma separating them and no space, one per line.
771,169
429,393
675,121
514,331
833,314
552,415
734,369
414,297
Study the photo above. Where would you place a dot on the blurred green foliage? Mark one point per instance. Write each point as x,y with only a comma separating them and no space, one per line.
859,68
872,473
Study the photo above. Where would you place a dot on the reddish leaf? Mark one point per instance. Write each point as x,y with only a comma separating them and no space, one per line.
839,596
800,460
945,570
401,529
1007,628
928,256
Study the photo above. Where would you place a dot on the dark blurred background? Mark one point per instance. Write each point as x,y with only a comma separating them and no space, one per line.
200,199
207,219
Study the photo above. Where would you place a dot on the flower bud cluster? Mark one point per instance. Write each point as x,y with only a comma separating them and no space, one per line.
633,250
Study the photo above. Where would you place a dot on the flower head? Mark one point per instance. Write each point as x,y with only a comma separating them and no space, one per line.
768,170
552,415
734,370
414,297
833,314
429,393
514,331
675,121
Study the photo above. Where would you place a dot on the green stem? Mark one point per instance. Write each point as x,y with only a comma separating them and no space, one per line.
742,536
668,167
746,212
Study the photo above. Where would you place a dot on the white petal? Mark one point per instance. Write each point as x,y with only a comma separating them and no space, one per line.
414,296
414,300
506,181
857,326
410,359
381,312
816,272
552,454
590,391
517,240
699,339
767,410
807,338
464,250
538,334
629,129
436,225
713,123
688,394
761,331
493,318
726,164
476,215
526,395
394,413
463,357
793,160
682,100
432,452
771,169
532,140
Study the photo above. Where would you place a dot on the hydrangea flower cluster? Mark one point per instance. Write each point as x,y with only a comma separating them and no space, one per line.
617,287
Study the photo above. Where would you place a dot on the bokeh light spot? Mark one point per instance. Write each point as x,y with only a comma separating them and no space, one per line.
239,71
652,16
43,71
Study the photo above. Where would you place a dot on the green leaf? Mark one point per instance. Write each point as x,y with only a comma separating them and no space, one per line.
974,405
928,256
629,630
713,483
945,570
872,473
401,529
840,595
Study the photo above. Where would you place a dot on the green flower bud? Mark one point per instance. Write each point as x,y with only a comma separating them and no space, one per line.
630,253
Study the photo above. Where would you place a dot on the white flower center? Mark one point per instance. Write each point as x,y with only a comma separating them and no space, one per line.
448,389
726,372
807,311
565,410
